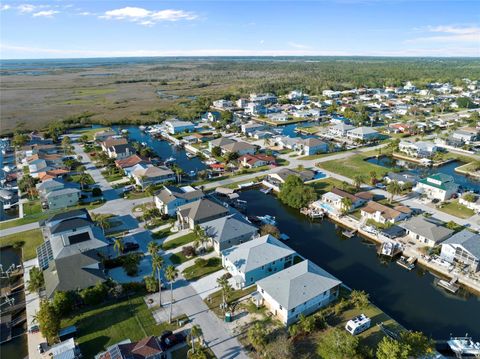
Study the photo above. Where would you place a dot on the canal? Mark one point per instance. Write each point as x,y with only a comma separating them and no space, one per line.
411,298
164,149
467,183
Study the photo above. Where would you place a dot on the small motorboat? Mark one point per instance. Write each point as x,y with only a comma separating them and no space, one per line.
170,160
190,155
267,219
407,263
464,346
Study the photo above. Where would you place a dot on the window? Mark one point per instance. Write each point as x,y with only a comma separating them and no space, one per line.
262,291
281,308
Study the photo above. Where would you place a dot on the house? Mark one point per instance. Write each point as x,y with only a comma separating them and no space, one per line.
254,260
470,200
402,128
426,230
296,95
147,348
240,148
300,289
153,175
418,149
8,198
312,146
211,116
65,350
340,130
258,160
112,141
225,104
129,162
101,136
279,117
333,201
120,151
219,142
198,212
464,248
229,231
52,174
176,126
466,135
275,180
263,98
363,134
438,186
402,178
250,127
169,198
383,214
285,142
61,198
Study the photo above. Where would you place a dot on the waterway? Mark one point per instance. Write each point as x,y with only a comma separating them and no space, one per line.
17,347
467,183
409,297
164,149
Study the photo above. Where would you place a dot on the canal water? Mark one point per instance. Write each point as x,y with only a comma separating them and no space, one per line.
409,297
164,149
17,347
467,183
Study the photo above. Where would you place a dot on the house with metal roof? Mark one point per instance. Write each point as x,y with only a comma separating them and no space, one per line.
300,289
256,259
437,186
229,231
169,198
312,146
463,248
426,230
363,134
152,175
175,126
198,212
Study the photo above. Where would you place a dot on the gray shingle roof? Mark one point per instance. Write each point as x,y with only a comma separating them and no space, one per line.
428,228
70,224
228,228
297,284
468,240
202,209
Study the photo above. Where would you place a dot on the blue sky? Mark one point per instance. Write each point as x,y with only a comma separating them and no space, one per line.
103,28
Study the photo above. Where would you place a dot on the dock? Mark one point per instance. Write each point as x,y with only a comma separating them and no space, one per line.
349,234
407,262
451,285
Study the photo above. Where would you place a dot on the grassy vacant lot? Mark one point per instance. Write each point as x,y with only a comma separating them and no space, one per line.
214,300
195,272
179,241
28,241
326,185
354,165
76,178
31,208
91,131
109,323
178,258
456,209
320,155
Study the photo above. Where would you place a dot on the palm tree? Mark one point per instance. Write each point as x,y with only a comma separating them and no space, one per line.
171,274
201,236
226,290
102,221
118,245
83,180
257,335
153,248
195,332
157,265
357,181
393,188
346,205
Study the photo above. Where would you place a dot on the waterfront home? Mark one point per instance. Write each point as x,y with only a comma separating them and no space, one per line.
300,289
426,230
112,141
275,180
65,350
258,160
8,198
402,178
419,149
254,260
340,130
290,143
240,148
357,201
153,175
312,146
62,198
383,214
296,95
169,198
198,212
464,248
278,117
146,348
129,164
363,134
120,151
253,109
211,116
229,231
333,201
223,104
176,126
402,128
470,200
263,98
52,174
101,136
437,186
466,135
219,142
250,127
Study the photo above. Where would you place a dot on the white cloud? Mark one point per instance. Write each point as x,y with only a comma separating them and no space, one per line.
26,8
85,13
5,7
45,13
448,33
298,46
147,17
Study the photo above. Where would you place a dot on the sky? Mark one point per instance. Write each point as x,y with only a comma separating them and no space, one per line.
106,28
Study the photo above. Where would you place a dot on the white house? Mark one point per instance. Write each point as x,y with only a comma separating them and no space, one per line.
223,103
168,199
256,259
418,149
463,247
340,130
438,186
466,135
474,204
363,134
383,214
300,289
426,230
176,126
153,175
312,146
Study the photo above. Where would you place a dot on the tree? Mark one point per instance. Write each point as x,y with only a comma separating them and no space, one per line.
83,139
295,193
101,220
270,229
465,102
357,181
226,290
346,205
394,189
27,184
257,335
130,264
216,151
19,139
48,320
337,344
94,295
151,284
306,324
195,332
84,179
359,299
470,197
373,176
279,348
66,144
157,265
389,348
36,281
118,245
63,303
201,236
419,345
171,274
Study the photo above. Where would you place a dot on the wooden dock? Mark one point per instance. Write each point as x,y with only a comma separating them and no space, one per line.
451,286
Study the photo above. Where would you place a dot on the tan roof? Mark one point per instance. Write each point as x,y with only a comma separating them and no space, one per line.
341,193
387,212
109,142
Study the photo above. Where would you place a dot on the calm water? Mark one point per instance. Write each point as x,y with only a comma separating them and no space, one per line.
468,183
16,348
409,297
165,150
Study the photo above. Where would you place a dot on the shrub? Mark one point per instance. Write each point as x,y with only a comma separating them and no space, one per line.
151,284
94,295
96,192
188,251
200,262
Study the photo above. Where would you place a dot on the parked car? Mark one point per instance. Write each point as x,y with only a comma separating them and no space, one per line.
165,335
172,340
130,246
34,329
40,348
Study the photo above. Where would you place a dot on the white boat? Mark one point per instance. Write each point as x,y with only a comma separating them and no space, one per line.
210,162
190,155
144,144
142,127
464,346
170,160
267,219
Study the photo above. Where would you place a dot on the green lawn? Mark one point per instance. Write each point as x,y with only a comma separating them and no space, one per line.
327,184
112,177
456,209
214,300
354,165
179,258
317,156
195,272
91,131
28,241
32,207
109,323
179,241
